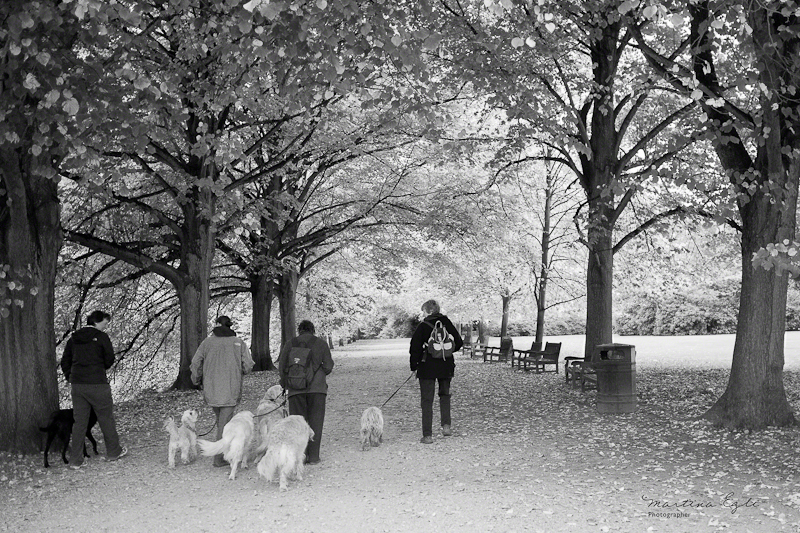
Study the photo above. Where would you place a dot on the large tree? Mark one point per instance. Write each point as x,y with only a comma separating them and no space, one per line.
48,86
752,112
556,70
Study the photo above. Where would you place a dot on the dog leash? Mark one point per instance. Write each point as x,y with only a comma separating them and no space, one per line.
209,431
398,389
268,412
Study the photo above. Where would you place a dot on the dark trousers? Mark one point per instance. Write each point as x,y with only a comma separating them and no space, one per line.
312,408
224,415
85,398
427,387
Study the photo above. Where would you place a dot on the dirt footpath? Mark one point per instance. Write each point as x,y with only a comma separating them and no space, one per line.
528,454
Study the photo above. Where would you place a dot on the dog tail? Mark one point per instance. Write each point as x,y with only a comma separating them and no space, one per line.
210,449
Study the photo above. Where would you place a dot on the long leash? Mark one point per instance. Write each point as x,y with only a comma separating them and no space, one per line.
256,416
209,431
272,411
398,389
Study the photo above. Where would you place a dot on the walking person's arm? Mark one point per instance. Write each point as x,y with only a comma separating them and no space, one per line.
327,358
247,359
66,360
108,350
197,365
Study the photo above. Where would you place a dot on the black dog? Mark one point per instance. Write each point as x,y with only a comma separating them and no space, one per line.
60,425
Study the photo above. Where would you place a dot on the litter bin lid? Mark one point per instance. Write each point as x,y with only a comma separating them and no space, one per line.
615,345
617,351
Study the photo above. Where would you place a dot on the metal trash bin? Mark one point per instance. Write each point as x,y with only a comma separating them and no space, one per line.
615,365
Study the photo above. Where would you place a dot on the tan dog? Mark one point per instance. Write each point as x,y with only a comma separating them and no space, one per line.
273,393
286,448
268,413
371,427
182,438
235,442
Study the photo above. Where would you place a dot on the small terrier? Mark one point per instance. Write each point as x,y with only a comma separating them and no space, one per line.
235,442
371,428
286,446
182,438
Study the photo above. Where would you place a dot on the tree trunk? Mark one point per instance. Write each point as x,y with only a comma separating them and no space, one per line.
541,294
599,294
30,239
287,293
504,324
197,254
600,172
262,289
755,396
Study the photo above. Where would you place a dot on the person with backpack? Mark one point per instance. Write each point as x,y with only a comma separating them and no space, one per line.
303,365
219,364
432,347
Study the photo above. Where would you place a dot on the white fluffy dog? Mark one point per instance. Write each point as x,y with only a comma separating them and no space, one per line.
371,427
235,442
285,450
182,438
268,413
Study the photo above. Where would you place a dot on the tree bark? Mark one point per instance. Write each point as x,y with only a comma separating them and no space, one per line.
755,396
287,294
767,201
599,285
197,254
504,324
262,290
599,174
30,240
541,293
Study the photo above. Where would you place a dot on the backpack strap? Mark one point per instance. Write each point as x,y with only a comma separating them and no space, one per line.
425,344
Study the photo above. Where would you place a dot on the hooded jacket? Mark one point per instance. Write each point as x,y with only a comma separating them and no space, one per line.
433,368
87,356
219,364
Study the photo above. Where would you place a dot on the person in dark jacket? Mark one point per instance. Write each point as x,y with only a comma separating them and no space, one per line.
309,402
430,370
87,356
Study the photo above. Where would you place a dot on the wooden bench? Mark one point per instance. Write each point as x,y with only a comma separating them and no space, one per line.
579,370
539,360
499,354
477,350
518,355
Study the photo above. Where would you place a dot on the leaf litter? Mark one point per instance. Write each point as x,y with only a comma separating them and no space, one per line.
530,453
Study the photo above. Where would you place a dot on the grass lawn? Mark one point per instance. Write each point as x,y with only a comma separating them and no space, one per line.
695,351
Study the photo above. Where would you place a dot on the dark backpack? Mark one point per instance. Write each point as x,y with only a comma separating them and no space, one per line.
298,372
440,343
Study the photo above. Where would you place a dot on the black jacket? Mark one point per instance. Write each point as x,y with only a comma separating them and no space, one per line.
433,368
87,356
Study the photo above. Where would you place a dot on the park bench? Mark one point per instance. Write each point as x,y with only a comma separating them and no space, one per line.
478,349
580,371
500,353
518,355
539,360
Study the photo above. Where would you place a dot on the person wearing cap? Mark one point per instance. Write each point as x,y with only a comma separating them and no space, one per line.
219,365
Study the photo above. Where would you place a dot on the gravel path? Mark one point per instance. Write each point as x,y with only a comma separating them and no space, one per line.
528,454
